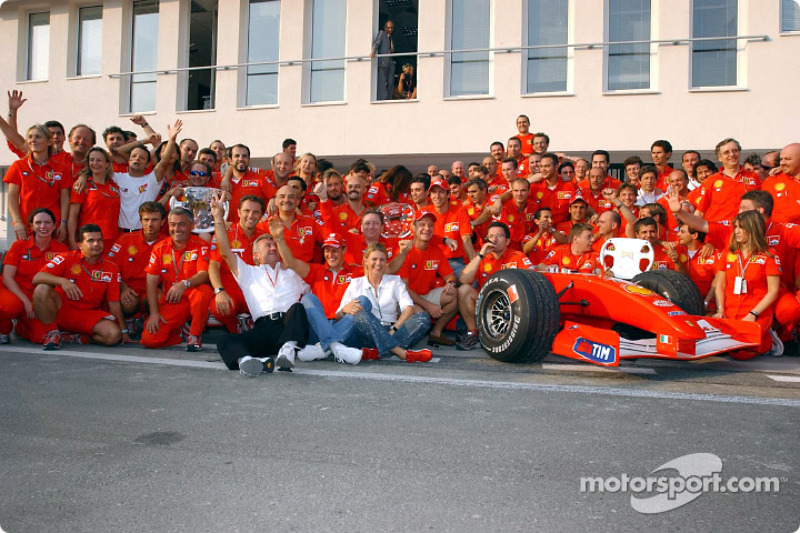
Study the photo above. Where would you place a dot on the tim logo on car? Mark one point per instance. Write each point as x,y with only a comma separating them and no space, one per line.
595,351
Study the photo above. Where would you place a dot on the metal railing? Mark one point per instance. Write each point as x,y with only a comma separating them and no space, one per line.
438,53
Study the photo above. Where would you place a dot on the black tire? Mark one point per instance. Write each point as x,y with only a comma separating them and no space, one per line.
522,331
675,287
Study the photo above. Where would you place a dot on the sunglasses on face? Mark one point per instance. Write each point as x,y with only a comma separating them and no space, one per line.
198,173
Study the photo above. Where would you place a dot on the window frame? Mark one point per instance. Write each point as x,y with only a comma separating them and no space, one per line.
26,71
782,31
738,84
448,92
568,86
652,51
308,66
244,52
128,91
76,40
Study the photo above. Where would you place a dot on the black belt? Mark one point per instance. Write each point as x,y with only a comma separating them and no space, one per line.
124,230
272,316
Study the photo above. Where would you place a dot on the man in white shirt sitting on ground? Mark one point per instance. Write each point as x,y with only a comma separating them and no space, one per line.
273,297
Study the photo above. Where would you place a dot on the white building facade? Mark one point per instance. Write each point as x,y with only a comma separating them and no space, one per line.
611,74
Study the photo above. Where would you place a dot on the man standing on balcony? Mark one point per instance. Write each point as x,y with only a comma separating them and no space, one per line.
383,45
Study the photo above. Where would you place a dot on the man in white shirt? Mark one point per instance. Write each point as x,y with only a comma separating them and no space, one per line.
273,297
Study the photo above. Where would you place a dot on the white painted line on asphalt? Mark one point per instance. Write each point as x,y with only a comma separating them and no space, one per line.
784,379
476,383
595,368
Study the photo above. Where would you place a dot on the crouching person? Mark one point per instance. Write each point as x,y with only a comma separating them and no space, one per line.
374,300
272,294
70,290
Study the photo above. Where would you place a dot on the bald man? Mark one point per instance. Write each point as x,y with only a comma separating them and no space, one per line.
785,186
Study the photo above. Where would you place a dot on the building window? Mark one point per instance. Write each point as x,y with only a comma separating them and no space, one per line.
263,44
628,64
90,40
144,56
714,62
327,40
469,29
547,26
38,46
790,15
200,84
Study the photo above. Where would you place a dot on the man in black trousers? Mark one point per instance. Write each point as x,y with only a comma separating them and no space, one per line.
273,297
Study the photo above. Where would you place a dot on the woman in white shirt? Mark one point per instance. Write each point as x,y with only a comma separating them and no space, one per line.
374,301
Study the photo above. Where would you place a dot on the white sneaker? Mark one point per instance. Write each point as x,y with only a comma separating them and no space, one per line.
311,352
285,357
777,344
250,366
345,354
4,339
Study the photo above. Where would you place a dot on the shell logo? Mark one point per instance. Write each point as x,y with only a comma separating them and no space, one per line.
780,186
511,218
487,268
166,259
731,257
75,269
565,261
718,184
132,250
683,258
635,289
343,216
539,195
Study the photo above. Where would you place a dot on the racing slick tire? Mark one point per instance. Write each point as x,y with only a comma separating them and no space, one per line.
517,315
676,287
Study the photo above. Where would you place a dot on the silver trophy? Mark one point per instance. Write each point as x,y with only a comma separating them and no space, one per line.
198,201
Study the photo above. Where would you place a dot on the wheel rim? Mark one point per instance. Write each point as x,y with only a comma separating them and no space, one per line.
497,314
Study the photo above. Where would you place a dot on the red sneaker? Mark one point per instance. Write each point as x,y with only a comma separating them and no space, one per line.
418,356
370,354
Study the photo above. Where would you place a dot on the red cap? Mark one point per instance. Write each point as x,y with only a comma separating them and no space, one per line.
334,240
439,183
578,198
423,213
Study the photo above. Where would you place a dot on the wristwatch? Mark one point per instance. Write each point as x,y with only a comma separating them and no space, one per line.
186,283
219,290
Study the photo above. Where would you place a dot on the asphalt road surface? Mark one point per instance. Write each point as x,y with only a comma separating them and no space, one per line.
127,440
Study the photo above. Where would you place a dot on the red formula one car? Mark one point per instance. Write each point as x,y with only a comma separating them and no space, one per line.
522,316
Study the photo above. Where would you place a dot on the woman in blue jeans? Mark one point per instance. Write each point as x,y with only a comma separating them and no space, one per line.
384,322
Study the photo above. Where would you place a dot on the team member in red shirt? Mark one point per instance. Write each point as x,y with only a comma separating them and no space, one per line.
514,147
660,152
785,187
228,299
432,284
553,191
328,283
594,193
452,227
38,181
601,159
538,245
678,182
748,281
371,232
178,269
518,212
700,269
525,136
242,181
343,218
71,289
22,261
577,256
577,214
303,231
99,204
494,255
131,253
608,225
719,194
664,255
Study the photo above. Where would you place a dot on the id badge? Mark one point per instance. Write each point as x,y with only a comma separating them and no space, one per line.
739,285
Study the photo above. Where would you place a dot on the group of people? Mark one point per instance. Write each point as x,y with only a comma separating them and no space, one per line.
304,262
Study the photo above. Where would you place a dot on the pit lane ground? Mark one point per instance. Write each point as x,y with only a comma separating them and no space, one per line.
126,439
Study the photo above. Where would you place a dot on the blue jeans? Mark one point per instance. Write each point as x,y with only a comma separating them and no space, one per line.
324,330
368,332
457,264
